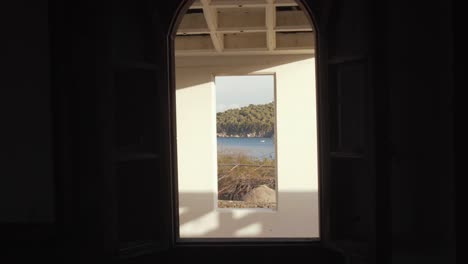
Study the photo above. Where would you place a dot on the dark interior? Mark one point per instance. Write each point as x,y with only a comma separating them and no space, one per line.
87,120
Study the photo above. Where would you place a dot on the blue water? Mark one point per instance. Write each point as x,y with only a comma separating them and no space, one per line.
254,147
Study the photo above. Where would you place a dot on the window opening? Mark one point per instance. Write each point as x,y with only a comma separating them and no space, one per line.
246,145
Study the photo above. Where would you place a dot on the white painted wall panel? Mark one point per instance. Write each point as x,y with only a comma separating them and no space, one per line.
297,215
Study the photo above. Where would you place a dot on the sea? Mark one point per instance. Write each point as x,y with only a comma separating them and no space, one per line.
255,147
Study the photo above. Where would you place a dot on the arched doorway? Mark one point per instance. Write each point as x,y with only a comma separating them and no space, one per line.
122,174
220,38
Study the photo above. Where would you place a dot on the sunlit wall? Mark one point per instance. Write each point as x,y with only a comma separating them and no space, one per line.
297,215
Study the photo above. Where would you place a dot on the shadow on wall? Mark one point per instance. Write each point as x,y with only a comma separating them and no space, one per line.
297,216
194,69
297,212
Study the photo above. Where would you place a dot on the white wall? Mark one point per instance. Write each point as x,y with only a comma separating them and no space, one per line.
297,214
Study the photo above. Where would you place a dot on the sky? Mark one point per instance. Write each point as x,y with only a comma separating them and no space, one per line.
238,91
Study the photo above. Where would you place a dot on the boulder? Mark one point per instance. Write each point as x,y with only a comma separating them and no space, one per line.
261,194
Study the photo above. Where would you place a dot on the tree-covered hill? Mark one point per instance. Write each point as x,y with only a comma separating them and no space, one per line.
248,121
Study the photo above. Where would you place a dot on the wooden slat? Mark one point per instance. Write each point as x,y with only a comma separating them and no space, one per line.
245,40
241,29
241,17
249,3
196,5
297,28
292,18
237,3
295,40
252,51
193,21
193,43
285,3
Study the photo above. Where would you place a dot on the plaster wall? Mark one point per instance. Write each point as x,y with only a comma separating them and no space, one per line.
297,213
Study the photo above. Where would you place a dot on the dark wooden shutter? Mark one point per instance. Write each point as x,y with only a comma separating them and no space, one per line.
139,131
350,184
352,198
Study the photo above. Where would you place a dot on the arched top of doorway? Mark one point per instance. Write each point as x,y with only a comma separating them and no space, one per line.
317,12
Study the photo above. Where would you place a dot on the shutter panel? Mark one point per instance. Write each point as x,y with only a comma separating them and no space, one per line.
137,160
347,87
350,184
139,132
352,189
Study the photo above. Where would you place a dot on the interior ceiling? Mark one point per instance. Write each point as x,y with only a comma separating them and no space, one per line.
243,27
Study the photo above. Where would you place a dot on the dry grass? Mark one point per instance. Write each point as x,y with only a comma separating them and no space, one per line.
236,181
242,204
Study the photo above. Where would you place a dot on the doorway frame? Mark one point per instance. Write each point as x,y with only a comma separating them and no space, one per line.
321,66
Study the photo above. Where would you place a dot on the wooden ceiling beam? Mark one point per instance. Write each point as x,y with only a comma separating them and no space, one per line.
270,20
212,22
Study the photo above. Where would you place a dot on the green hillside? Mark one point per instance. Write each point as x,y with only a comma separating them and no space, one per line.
248,121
